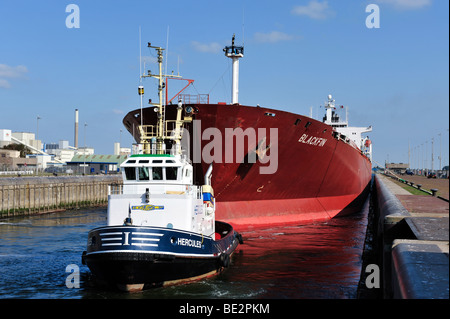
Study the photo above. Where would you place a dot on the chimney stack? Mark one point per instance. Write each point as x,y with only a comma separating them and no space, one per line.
76,128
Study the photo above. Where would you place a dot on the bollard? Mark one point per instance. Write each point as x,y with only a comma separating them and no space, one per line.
434,191
419,186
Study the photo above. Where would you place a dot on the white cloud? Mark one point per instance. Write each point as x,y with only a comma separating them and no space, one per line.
213,47
407,4
273,37
315,10
4,84
9,72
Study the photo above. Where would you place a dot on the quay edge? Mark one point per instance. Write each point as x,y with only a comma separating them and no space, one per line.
36,195
414,243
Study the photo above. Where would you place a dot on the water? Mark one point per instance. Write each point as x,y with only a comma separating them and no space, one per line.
319,260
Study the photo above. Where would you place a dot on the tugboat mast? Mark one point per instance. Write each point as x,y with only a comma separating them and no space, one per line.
147,132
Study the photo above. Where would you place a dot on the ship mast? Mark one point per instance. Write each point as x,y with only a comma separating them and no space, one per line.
329,107
147,132
234,53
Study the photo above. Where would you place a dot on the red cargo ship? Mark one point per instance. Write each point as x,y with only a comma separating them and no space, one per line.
270,166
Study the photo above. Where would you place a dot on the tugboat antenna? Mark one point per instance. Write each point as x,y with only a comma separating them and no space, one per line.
160,133
140,73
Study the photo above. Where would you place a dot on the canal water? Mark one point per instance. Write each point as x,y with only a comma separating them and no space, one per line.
312,261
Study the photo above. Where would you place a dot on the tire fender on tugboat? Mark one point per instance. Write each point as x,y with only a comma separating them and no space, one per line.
224,260
239,238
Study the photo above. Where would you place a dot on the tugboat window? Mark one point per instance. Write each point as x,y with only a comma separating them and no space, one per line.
130,173
143,174
171,173
157,173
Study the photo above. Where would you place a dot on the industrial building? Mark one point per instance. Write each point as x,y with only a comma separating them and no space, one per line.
57,157
11,160
96,164
397,168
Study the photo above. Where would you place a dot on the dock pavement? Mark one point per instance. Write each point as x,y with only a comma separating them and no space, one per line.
415,231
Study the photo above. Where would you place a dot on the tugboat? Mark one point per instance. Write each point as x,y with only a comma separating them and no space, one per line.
161,228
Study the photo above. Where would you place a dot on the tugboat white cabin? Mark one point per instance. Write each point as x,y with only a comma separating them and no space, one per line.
158,191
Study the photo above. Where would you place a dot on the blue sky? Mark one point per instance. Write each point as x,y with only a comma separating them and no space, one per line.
395,78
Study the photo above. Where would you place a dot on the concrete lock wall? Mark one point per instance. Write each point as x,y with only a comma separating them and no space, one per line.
34,195
412,244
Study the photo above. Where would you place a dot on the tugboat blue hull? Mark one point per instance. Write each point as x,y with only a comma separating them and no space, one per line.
138,257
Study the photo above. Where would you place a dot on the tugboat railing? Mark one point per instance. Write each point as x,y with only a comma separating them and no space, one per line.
150,131
115,189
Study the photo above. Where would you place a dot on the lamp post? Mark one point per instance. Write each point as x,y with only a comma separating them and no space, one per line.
421,146
440,151
432,154
84,137
37,127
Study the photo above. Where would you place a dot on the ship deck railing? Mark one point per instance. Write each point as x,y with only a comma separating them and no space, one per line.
137,150
345,139
150,131
194,98
117,189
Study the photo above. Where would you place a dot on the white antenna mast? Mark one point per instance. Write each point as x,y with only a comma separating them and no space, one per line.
346,114
141,87
165,72
140,56
167,53
243,25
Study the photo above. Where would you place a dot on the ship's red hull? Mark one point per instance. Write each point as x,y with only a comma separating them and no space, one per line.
317,176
